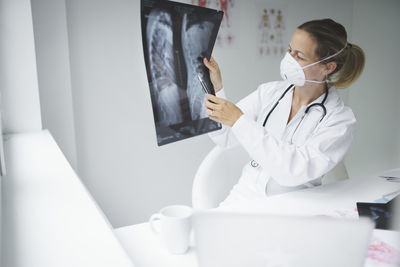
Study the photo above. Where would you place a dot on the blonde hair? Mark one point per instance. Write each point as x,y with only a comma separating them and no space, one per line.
332,37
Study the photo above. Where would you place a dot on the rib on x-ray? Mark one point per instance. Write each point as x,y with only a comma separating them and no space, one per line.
176,37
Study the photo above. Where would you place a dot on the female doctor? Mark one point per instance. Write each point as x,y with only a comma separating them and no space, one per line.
298,129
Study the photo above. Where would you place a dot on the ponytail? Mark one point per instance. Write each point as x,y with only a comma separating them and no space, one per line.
351,69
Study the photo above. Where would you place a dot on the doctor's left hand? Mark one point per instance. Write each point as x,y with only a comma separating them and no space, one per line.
221,110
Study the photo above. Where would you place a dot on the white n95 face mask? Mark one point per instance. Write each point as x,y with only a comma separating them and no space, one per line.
292,72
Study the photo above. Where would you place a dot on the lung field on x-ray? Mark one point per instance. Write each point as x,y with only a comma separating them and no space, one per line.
166,90
195,41
177,91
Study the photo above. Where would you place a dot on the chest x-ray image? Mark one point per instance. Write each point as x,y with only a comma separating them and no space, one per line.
176,37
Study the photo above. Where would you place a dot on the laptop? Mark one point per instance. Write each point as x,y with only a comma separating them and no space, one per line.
232,239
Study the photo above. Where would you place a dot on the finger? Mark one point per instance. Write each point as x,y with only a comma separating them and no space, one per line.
210,112
213,113
214,99
214,118
213,62
211,105
208,65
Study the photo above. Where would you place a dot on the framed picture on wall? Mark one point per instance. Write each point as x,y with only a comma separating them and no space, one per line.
176,37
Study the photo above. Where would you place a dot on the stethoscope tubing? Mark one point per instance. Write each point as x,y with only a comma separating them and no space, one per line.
276,104
322,105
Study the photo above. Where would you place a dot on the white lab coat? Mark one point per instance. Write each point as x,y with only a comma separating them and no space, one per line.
286,162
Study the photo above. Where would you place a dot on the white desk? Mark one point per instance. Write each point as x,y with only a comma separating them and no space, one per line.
338,200
146,250
49,218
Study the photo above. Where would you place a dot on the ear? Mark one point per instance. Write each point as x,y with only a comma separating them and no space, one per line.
330,67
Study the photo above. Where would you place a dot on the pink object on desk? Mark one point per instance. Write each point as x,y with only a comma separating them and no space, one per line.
382,252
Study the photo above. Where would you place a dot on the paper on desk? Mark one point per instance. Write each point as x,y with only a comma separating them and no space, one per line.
392,175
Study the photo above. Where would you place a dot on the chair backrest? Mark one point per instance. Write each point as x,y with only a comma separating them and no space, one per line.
217,174
220,170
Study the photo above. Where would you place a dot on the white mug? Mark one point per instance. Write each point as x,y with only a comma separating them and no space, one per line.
176,225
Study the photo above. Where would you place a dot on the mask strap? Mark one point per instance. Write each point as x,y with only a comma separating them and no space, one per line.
331,56
324,81
312,81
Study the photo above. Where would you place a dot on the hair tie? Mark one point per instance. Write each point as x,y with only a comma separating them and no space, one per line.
349,45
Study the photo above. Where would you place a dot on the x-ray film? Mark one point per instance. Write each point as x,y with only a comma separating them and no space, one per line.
176,37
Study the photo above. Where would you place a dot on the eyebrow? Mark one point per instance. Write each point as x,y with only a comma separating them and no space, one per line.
297,51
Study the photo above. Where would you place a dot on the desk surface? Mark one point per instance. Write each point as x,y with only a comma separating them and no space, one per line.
338,200
146,250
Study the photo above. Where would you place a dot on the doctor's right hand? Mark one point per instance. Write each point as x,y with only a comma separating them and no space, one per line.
215,73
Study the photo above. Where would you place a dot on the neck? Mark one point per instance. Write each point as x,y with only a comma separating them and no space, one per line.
304,95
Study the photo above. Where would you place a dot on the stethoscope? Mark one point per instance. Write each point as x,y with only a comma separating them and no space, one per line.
253,163
322,105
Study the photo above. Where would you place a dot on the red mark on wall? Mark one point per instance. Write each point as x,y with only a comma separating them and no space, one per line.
225,6
202,3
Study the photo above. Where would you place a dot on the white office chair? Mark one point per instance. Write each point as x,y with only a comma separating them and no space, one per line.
220,170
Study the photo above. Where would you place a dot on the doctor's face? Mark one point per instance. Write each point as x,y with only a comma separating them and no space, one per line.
302,47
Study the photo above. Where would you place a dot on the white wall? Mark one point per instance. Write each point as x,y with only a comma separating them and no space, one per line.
18,77
374,98
119,160
52,53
